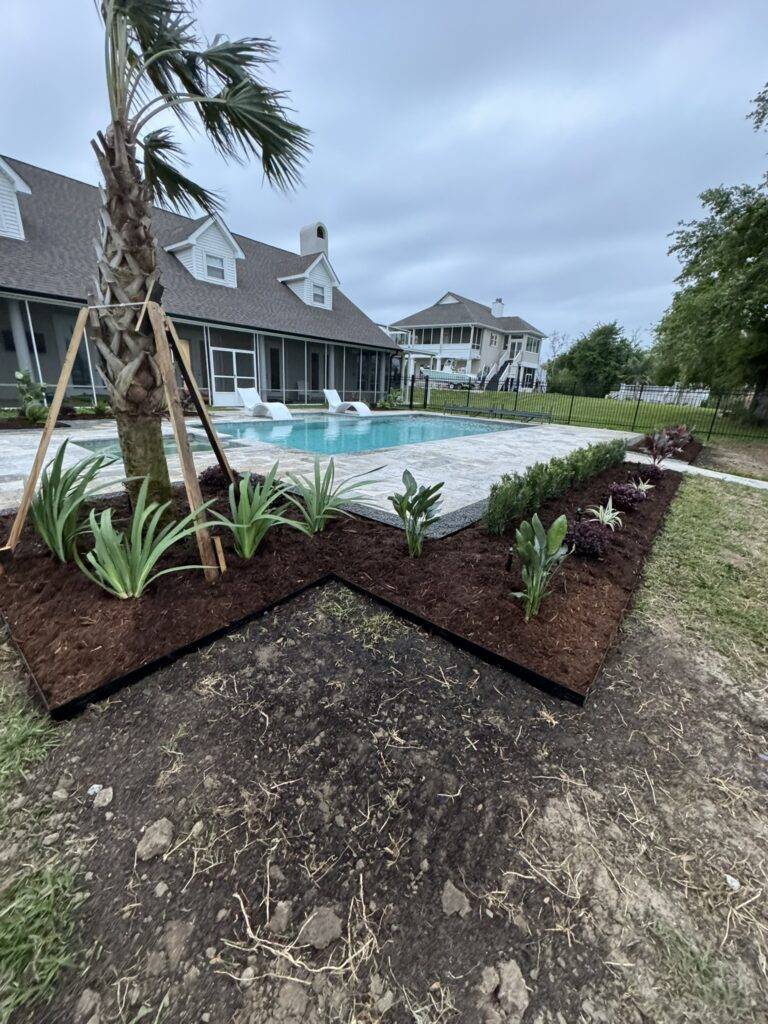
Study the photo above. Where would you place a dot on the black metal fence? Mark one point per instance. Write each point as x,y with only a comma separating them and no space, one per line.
638,408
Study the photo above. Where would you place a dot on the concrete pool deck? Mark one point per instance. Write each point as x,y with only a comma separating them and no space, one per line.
467,465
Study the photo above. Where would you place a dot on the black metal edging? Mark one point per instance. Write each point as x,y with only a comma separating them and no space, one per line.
75,707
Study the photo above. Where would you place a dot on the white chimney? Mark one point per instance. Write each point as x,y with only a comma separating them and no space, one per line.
313,239
497,309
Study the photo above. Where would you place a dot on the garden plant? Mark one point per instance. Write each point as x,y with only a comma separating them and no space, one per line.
541,552
319,498
626,497
606,515
31,397
122,563
56,508
254,509
415,507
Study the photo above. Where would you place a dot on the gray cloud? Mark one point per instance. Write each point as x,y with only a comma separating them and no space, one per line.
539,152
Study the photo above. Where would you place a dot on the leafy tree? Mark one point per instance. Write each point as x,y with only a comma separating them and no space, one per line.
157,65
598,362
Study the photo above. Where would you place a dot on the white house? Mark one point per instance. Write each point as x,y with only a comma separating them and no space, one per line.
465,336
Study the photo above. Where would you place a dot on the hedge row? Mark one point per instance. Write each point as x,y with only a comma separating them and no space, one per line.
519,494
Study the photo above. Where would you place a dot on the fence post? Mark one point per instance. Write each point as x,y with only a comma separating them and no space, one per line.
410,397
469,391
714,415
570,408
426,391
637,406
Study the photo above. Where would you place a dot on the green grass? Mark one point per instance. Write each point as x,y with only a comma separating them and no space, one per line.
703,977
36,925
37,904
708,573
583,411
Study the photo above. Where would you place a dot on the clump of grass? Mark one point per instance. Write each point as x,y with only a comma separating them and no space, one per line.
696,974
36,925
25,738
708,573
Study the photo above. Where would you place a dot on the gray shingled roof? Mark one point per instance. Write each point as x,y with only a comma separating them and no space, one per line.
465,311
56,259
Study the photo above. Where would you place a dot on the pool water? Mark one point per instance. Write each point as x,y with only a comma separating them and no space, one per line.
110,446
342,435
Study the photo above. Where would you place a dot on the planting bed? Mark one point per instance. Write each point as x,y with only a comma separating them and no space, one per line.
77,639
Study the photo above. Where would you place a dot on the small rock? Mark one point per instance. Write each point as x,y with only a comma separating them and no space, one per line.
275,874
320,929
104,797
88,1007
248,975
176,936
512,994
280,918
156,963
222,914
205,1017
210,952
733,883
161,889
386,1002
454,901
292,999
156,840
50,839
108,816
94,789
60,795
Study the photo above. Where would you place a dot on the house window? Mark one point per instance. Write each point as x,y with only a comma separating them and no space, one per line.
318,294
9,346
532,344
214,266
274,369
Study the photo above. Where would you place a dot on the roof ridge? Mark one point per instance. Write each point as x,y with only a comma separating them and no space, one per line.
162,209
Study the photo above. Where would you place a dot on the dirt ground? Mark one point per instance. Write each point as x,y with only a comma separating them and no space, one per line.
740,457
331,816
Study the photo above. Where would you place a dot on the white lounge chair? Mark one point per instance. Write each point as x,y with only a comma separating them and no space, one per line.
251,399
335,404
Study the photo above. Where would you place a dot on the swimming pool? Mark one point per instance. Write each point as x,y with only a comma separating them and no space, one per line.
342,435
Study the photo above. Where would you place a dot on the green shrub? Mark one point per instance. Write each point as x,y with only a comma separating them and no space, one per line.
31,395
518,494
253,512
541,552
121,563
414,507
55,508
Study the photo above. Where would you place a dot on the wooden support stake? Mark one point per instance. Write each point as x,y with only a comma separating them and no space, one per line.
50,423
178,348
220,554
189,473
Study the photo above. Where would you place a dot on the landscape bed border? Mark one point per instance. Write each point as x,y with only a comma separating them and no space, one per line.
74,707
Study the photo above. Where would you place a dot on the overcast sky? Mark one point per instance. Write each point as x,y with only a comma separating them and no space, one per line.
536,151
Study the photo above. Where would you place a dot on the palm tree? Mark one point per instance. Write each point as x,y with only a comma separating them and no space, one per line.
157,65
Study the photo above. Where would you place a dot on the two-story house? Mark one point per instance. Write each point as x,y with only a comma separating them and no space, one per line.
465,336
252,314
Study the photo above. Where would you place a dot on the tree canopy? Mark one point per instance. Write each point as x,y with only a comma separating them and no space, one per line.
598,362
716,330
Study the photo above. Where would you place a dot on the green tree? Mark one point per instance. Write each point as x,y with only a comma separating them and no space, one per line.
598,362
157,65
716,330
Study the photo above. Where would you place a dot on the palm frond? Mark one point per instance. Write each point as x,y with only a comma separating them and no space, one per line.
168,185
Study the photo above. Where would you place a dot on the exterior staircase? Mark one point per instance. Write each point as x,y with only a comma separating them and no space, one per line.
492,383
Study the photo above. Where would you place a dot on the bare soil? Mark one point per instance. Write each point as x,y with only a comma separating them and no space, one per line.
76,638
737,457
464,848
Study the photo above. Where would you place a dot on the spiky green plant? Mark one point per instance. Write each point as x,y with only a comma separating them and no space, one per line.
541,552
56,507
414,507
319,498
606,515
254,510
122,563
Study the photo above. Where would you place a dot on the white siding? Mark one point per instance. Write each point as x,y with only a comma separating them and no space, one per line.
10,216
319,275
215,242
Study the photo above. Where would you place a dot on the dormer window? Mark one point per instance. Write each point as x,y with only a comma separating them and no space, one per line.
318,294
214,267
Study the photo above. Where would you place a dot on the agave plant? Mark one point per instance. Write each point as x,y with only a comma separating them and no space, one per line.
414,507
122,563
541,552
254,511
606,515
319,498
56,507
643,485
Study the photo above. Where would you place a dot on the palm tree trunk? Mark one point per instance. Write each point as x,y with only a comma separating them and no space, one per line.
126,273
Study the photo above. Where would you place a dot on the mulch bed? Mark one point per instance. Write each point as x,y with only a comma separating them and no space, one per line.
76,638
691,451
22,423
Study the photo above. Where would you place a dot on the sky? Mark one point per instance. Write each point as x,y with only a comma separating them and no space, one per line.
540,151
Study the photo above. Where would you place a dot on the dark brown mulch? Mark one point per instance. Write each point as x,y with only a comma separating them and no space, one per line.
76,638
691,451
22,423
